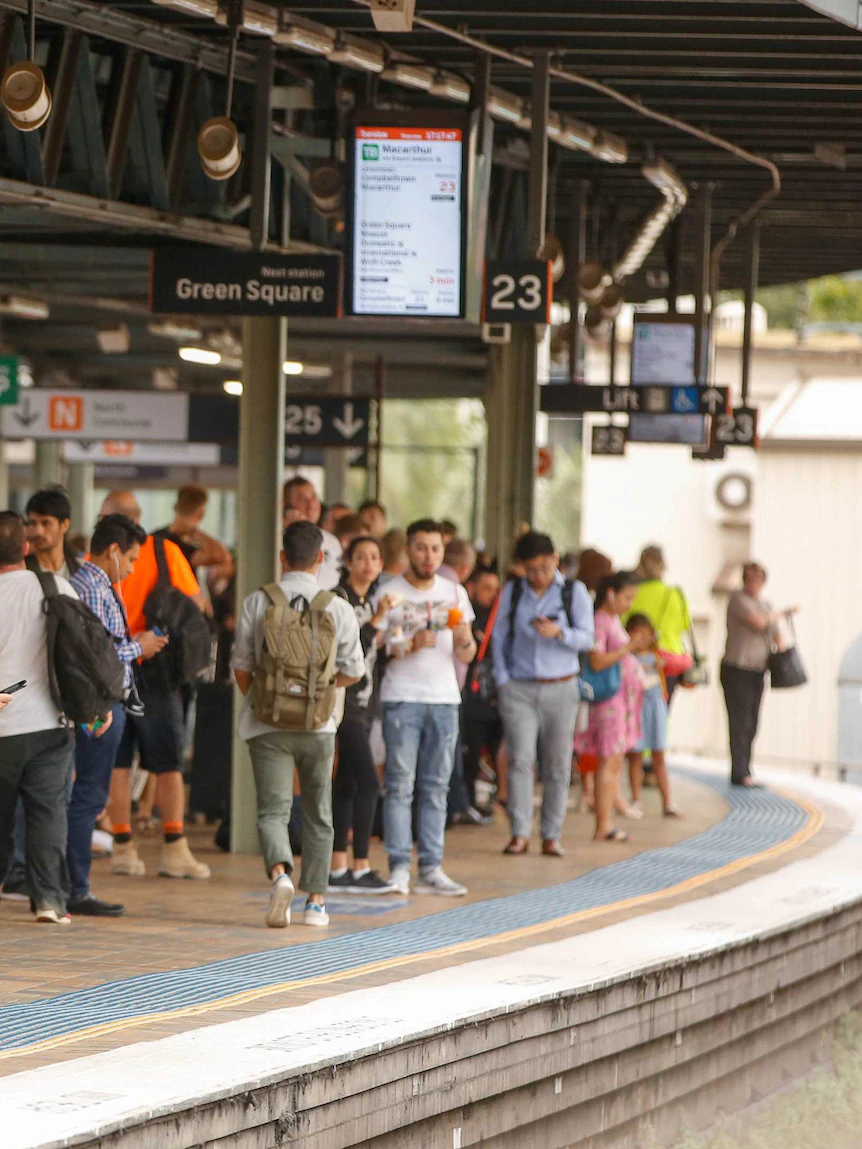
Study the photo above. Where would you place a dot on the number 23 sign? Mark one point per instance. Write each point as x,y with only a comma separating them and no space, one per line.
517,291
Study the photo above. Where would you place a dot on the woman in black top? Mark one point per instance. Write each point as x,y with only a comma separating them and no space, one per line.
356,787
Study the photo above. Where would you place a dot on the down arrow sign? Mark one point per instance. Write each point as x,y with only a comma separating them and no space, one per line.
348,426
26,416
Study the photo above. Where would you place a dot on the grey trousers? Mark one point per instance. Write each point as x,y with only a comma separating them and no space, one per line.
274,757
38,768
539,725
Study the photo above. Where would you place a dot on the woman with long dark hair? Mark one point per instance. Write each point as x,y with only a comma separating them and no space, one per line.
356,786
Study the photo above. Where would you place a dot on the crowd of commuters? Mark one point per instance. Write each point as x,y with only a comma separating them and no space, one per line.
394,679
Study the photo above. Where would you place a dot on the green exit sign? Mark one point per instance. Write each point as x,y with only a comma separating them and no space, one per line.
8,379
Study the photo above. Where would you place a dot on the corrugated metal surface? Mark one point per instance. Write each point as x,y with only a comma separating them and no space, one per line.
807,529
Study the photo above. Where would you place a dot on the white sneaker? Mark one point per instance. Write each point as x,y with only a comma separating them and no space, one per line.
316,915
52,917
436,882
278,910
400,879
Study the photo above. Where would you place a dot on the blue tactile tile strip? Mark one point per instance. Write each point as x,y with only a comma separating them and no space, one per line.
757,820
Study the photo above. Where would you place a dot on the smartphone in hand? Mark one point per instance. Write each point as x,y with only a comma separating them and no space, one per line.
15,687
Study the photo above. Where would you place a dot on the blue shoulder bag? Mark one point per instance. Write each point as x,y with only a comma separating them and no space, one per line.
600,685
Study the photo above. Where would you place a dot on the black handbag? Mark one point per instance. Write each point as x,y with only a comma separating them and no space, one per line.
480,690
785,666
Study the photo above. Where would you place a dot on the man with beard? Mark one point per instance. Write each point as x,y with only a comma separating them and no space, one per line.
426,630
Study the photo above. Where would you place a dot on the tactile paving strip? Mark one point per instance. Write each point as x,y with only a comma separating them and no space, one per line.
757,820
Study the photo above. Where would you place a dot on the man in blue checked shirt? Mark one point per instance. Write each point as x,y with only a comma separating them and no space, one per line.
114,550
543,624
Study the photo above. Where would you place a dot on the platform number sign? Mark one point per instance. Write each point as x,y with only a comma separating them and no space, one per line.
608,440
737,428
517,291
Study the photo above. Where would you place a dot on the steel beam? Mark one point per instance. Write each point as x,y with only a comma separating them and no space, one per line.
179,132
125,97
261,163
61,95
112,214
84,129
750,297
576,256
147,35
146,164
702,285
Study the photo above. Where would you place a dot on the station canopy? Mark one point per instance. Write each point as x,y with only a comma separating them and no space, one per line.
711,87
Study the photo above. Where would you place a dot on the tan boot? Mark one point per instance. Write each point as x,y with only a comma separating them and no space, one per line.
126,860
179,862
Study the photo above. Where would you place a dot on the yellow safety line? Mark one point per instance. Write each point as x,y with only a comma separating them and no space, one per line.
813,825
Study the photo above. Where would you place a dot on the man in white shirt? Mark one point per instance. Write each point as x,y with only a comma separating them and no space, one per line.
301,502
276,753
36,748
426,630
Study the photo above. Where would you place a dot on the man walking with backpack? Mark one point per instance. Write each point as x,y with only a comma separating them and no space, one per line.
36,747
294,645
544,622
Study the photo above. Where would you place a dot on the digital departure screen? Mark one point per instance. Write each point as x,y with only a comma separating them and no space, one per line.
408,221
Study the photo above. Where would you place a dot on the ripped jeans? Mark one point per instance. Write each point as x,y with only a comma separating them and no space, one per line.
421,743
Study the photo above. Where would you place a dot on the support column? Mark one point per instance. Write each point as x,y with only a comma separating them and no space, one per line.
49,468
512,395
80,481
335,461
750,296
261,469
576,257
4,479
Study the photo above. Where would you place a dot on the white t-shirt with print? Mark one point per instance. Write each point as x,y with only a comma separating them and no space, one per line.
429,674
329,571
23,654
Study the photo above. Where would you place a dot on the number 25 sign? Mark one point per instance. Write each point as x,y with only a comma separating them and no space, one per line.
517,291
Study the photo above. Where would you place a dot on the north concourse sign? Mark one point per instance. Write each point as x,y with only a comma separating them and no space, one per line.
217,281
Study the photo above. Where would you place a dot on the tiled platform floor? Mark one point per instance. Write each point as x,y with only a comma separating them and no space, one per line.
174,925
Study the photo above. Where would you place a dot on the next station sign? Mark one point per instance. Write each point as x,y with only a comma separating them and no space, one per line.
215,281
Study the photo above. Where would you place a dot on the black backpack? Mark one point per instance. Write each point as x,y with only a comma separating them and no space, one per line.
189,651
84,673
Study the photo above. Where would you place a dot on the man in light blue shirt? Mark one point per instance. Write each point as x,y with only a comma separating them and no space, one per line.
543,624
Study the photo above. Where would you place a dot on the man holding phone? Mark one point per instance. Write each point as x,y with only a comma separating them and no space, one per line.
543,624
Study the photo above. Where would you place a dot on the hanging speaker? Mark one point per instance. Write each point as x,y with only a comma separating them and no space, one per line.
25,96
218,147
612,300
592,281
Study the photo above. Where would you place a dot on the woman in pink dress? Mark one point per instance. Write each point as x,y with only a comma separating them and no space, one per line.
615,725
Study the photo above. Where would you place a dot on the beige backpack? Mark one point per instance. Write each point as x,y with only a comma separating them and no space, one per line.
294,685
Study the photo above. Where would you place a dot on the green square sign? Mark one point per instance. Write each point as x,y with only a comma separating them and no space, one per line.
8,379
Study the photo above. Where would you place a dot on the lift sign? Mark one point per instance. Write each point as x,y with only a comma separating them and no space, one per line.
195,281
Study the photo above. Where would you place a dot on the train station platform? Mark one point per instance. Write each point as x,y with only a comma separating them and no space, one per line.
556,1006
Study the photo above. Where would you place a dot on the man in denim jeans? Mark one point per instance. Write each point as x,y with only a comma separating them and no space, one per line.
427,628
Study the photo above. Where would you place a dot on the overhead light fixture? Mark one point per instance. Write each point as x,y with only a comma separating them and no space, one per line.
232,386
113,340
259,18
577,134
450,87
25,96
393,15
317,41
356,54
292,367
326,188
174,329
610,148
208,8
24,307
317,370
415,76
664,177
200,355
218,139
505,105
592,281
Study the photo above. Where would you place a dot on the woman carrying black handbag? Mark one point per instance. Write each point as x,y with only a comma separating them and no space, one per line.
752,640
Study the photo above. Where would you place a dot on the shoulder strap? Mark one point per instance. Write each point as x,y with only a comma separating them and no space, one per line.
664,606
317,607
275,594
489,629
568,599
517,592
321,600
49,589
164,575
47,582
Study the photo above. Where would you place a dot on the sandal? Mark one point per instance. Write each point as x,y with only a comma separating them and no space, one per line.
616,835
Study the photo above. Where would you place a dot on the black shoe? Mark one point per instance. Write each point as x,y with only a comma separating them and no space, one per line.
93,907
370,883
15,889
341,884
